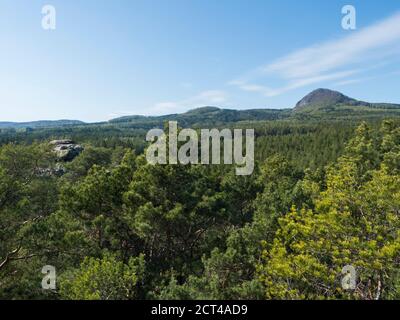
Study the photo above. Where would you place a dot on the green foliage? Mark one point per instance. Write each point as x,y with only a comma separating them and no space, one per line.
26,196
355,222
322,196
104,279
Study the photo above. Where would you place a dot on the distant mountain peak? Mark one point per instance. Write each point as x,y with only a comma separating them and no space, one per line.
324,98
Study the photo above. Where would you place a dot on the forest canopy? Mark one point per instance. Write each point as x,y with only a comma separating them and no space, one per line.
321,197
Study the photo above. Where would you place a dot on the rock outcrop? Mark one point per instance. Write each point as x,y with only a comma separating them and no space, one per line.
66,150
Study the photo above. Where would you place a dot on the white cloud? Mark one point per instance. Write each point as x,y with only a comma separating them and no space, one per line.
296,83
327,61
211,96
205,98
186,85
352,81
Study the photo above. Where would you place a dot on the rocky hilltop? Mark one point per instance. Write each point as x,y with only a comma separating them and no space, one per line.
326,98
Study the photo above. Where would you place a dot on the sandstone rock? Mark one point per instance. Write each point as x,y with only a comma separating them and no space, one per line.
66,150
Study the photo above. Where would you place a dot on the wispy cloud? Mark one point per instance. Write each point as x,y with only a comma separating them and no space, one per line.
205,98
352,81
294,84
332,60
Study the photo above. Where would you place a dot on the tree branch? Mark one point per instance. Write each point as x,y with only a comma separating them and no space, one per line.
9,257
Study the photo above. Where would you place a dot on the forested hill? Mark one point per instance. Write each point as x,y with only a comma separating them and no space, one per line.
318,105
40,124
324,102
205,116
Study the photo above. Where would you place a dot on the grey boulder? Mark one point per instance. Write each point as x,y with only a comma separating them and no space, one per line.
66,150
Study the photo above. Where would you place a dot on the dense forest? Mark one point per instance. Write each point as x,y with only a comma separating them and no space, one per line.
324,194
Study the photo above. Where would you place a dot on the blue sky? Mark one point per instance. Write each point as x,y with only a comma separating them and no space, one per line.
113,58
